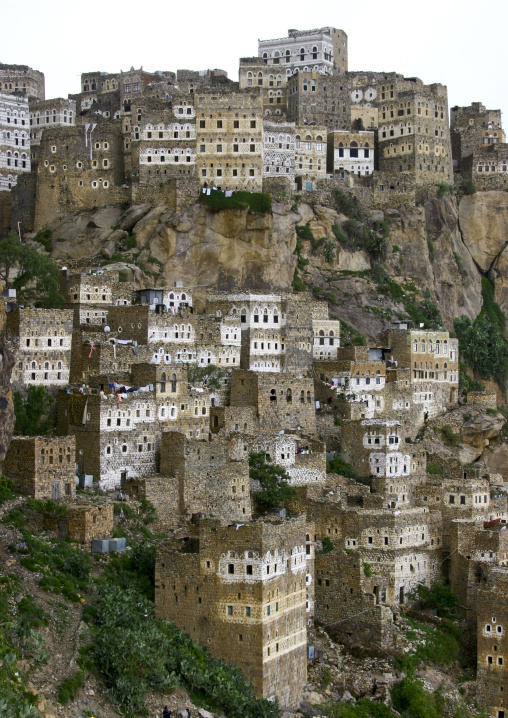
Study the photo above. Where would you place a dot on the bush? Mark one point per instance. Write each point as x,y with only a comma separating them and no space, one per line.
434,469
275,488
137,654
68,688
482,345
449,437
30,411
130,242
468,187
123,275
6,492
444,189
491,309
327,546
259,202
410,698
44,237
460,266
439,595
337,466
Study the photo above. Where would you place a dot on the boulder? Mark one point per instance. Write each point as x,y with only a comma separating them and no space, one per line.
133,215
483,220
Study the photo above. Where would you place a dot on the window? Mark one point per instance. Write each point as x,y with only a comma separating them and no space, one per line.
247,611
230,610
231,568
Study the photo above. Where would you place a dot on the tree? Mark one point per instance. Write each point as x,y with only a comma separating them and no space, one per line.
273,479
33,275
482,345
357,125
30,412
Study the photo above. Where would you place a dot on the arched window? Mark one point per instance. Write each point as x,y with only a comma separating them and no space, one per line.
289,396
173,383
302,397
163,382
273,396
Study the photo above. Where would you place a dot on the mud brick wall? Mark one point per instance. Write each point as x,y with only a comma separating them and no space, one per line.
42,467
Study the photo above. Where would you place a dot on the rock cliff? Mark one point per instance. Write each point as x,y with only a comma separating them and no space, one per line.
442,248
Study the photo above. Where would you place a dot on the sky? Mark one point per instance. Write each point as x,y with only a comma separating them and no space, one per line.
455,43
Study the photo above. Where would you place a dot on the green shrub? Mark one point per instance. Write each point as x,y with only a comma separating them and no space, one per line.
68,688
347,204
439,595
274,480
395,248
30,411
449,437
327,546
6,492
460,266
298,284
363,708
130,242
434,468
491,309
468,187
430,246
337,466
329,251
444,189
410,698
350,337
44,237
482,345
123,275
258,202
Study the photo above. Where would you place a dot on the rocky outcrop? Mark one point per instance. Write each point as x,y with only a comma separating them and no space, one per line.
483,219
6,405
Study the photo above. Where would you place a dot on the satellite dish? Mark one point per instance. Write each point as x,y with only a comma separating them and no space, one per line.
107,329
64,269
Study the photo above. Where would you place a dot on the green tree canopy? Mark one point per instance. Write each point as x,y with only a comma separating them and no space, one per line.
482,345
30,412
273,479
33,275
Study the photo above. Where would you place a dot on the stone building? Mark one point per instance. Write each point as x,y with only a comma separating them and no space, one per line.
43,340
433,358
326,337
114,440
42,467
492,625
207,479
21,80
83,523
255,72
229,129
414,134
317,99
473,128
163,141
84,165
14,139
279,150
322,50
241,591
130,84
278,401
350,152
310,159
45,114
91,293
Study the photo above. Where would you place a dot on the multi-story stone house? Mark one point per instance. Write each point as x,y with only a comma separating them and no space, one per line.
44,114
43,339
255,72
323,50
14,139
91,293
433,358
350,152
310,159
41,466
317,99
22,81
229,139
242,592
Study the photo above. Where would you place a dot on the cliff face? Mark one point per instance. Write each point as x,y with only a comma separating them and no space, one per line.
6,405
444,248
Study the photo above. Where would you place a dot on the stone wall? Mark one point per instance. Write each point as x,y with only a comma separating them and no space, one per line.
42,467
